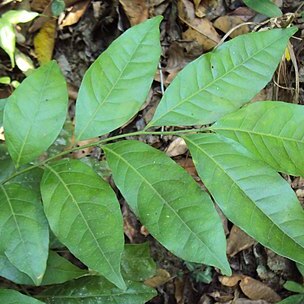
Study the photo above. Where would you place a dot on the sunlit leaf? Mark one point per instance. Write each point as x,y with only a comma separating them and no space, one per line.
32,125
221,81
23,230
117,84
90,290
250,193
20,16
8,39
170,204
84,214
295,299
271,130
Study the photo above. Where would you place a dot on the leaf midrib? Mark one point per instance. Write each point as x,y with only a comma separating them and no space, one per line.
241,190
152,123
262,134
17,226
113,86
83,217
35,116
165,203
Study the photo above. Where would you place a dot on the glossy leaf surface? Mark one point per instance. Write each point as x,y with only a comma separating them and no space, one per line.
58,270
10,296
23,230
117,84
32,124
84,214
270,130
264,7
250,193
223,80
97,290
168,202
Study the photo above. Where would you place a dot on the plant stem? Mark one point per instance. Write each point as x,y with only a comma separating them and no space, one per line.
98,143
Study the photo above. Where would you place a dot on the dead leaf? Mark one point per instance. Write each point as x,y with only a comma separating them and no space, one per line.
247,301
256,290
230,281
188,165
177,147
162,276
136,10
238,240
39,5
75,13
85,150
200,29
226,23
44,41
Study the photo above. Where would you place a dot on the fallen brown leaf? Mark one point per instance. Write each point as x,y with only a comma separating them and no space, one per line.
75,13
237,241
162,276
200,29
136,10
177,147
256,290
226,23
230,281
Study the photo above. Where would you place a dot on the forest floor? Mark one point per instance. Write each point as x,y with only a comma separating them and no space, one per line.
189,29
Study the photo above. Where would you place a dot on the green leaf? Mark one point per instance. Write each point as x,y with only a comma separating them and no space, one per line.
10,296
294,286
58,270
32,125
250,193
270,130
300,268
6,163
296,299
221,81
84,214
117,84
137,263
91,290
23,230
58,6
2,104
169,203
8,39
264,7
21,16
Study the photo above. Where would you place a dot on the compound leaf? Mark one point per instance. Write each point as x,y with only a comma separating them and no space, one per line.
250,193
32,124
221,81
10,296
264,7
88,290
84,214
117,84
168,202
23,230
270,130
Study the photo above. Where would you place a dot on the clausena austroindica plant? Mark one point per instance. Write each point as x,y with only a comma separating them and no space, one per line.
237,156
